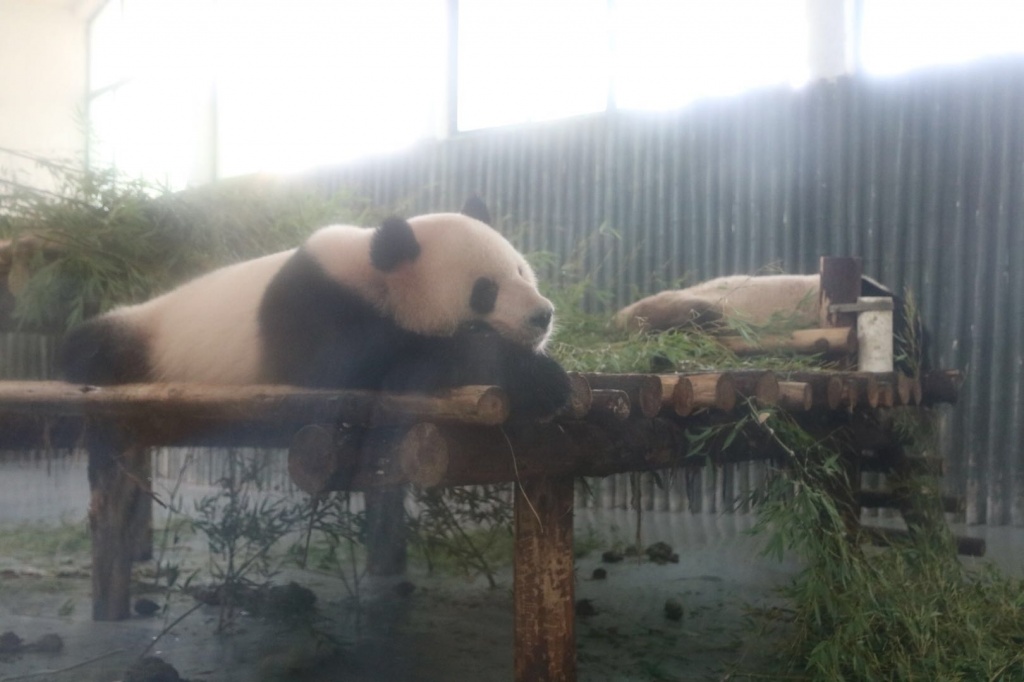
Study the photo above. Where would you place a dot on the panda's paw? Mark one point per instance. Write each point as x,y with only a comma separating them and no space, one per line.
537,388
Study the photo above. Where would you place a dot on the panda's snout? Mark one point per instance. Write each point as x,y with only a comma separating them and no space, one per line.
541,319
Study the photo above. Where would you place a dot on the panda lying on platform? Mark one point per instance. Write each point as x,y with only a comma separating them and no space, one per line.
432,302
755,300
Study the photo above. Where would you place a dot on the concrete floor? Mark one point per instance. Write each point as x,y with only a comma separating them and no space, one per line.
448,629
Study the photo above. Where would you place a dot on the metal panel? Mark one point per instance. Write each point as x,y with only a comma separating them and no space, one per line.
922,176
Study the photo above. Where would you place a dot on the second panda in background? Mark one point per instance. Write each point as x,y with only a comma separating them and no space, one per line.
790,301
424,304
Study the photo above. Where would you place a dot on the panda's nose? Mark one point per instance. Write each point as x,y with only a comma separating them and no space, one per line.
541,319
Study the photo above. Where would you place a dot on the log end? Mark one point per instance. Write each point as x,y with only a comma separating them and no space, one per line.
423,455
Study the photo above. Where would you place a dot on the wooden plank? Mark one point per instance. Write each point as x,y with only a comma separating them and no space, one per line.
545,638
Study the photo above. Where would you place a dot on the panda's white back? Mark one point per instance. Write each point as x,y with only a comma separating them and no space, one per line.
206,330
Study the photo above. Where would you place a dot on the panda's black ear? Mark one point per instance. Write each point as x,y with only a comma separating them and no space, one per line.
393,244
476,208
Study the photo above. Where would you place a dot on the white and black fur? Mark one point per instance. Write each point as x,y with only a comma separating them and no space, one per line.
433,302
789,300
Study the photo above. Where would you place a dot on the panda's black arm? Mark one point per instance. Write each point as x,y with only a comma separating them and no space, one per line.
536,385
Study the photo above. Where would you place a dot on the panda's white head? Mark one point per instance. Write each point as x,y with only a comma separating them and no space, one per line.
446,272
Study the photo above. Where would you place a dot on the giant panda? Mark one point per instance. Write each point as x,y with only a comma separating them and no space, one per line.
423,304
784,300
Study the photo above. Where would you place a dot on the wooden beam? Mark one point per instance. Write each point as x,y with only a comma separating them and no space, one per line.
198,403
965,546
825,341
941,386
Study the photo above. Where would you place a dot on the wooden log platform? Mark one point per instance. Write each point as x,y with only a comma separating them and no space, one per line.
362,440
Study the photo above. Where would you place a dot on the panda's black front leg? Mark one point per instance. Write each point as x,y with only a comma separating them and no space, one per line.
536,385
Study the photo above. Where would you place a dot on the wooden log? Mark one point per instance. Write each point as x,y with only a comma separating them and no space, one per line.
824,341
795,396
431,455
644,390
942,386
908,390
683,397
917,465
862,388
884,537
580,398
827,389
676,394
197,403
320,459
544,581
762,386
886,395
714,390
951,504
610,403
668,387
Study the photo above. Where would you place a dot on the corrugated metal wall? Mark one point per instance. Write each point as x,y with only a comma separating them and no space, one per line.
922,176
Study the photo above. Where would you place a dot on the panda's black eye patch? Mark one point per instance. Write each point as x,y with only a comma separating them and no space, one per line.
485,295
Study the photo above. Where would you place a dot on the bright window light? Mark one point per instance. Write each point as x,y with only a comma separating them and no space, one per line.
185,90
900,35
301,84
298,83
668,53
531,60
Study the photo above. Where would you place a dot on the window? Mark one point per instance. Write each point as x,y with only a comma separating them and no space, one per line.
184,91
900,35
667,53
531,60
187,90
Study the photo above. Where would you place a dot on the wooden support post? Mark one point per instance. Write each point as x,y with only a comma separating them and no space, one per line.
141,521
386,534
840,283
545,637
117,483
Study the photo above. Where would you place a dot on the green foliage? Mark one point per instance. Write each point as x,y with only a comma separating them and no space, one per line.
335,540
35,540
102,239
586,342
465,529
908,612
242,522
